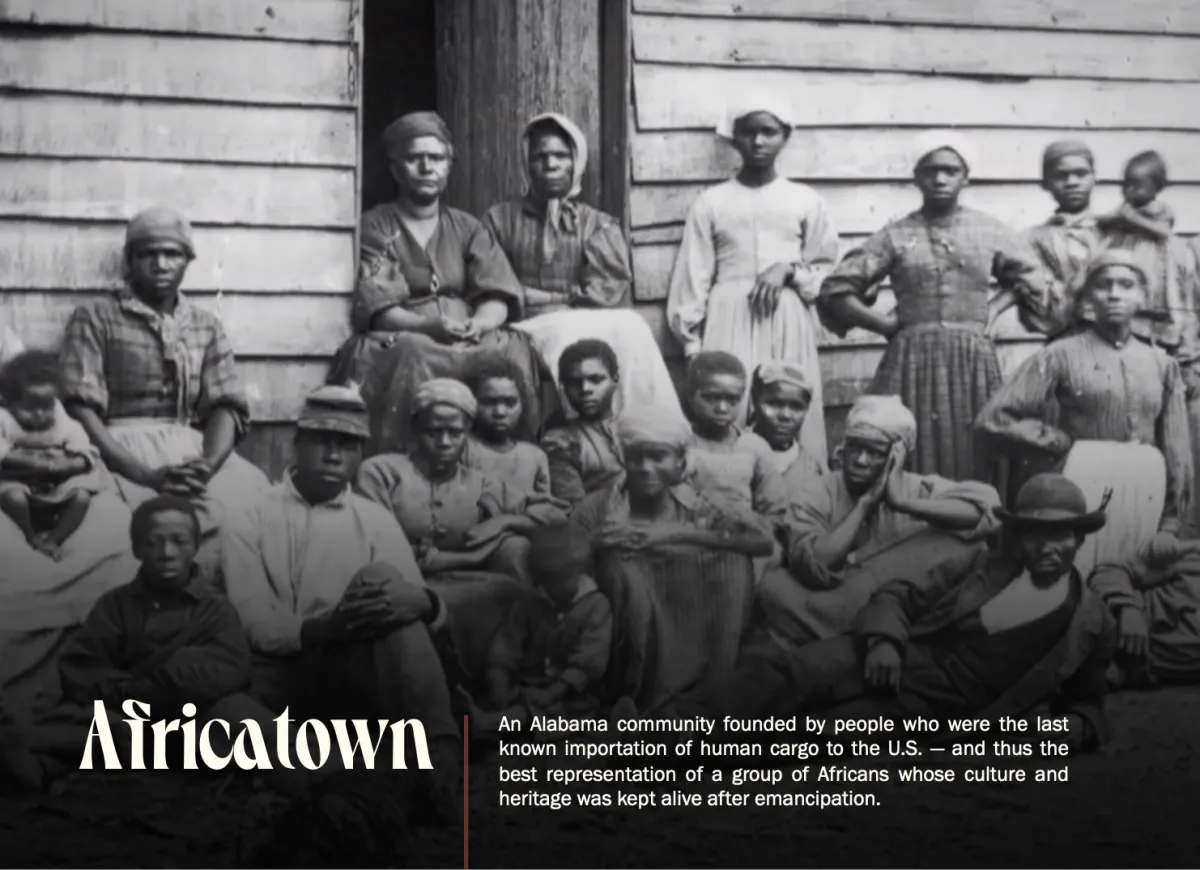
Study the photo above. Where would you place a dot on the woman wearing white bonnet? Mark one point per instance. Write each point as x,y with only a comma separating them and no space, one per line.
573,262
754,251
939,260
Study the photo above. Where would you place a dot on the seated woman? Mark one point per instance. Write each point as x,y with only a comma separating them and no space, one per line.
470,542
675,565
151,378
853,530
584,452
574,264
434,291
1122,424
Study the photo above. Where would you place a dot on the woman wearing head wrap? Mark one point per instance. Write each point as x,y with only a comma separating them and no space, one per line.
940,260
1066,242
470,532
754,251
434,291
852,530
675,564
1122,417
152,379
574,265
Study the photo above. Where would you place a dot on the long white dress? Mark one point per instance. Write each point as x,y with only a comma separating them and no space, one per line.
733,233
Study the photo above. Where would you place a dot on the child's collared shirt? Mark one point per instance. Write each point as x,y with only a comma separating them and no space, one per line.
540,641
162,647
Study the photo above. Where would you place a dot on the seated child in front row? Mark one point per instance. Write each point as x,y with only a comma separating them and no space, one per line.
522,467
163,638
584,453
49,469
555,645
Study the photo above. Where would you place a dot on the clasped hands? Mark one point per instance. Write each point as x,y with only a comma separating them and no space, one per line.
373,605
188,479
636,536
452,330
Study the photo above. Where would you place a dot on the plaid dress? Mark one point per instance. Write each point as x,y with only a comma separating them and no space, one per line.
941,363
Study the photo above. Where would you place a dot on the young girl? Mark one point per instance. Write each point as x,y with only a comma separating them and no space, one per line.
754,251
49,470
780,396
738,470
584,453
494,450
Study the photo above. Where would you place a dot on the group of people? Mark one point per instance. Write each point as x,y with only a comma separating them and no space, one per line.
499,504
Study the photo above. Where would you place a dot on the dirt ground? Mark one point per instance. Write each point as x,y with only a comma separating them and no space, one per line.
1134,805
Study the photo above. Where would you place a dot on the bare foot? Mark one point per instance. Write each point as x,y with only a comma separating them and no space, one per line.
43,544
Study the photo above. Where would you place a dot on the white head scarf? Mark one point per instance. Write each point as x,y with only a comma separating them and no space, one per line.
936,140
764,101
561,215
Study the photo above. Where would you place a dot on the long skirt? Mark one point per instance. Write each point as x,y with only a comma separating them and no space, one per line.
944,374
42,601
645,381
791,335
1137,476
679,619
389,367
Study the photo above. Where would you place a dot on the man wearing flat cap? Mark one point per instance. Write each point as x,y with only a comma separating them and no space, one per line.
328,589
1021,631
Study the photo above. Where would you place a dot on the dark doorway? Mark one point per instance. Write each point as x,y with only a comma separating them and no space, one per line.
399,76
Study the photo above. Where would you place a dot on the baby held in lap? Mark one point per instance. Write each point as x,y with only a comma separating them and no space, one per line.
48,467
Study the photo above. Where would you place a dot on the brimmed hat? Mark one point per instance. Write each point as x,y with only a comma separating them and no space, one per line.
1051,501
335,409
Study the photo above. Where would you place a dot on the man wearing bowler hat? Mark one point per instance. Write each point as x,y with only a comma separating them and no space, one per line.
1021,631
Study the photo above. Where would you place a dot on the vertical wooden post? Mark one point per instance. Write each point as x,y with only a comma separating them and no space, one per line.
616,108
500,62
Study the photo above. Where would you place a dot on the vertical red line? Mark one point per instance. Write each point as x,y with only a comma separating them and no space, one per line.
466,786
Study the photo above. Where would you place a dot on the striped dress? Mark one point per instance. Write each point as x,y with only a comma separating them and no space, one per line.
1123,413
941,363
590,267
680,616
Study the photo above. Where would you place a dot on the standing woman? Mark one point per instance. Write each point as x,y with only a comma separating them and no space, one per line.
1123,419
434,291
754,251
940,259
573,263
151,378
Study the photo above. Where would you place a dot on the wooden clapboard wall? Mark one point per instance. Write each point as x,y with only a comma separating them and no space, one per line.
242,114
866,75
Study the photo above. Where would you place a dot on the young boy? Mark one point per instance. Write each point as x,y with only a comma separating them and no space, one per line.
163,638
741,471
555,646
49,470
522,467
584,453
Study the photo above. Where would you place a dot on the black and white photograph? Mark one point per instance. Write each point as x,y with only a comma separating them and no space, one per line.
599,433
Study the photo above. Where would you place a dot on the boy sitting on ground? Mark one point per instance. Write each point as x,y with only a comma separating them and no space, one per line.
555,646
